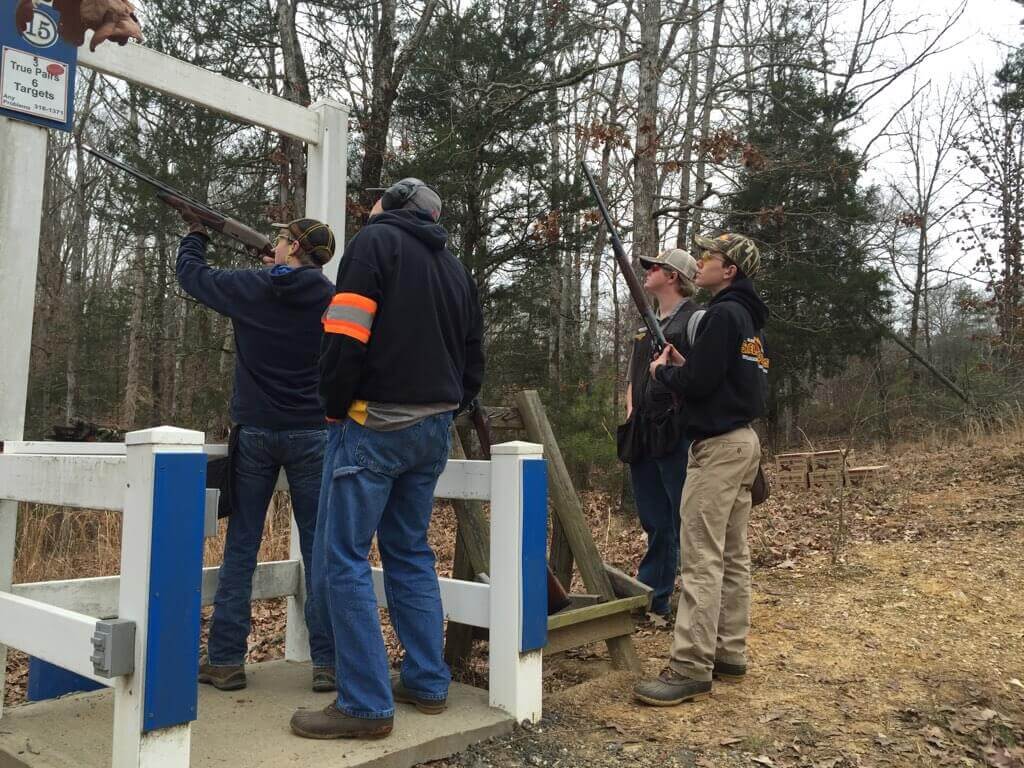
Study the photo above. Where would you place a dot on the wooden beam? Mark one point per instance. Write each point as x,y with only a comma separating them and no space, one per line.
591,612
617,626
473,525
560,557
500,417
573,522
195,85
625,585
472,557
458,646
563,496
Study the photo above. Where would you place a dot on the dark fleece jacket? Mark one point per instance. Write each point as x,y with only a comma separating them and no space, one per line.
725,379
421,330
276,314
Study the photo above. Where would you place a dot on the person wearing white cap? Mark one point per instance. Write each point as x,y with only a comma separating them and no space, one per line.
653,439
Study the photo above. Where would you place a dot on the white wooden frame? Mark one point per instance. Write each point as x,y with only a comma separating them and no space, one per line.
56,621
22,161
323,127
115,476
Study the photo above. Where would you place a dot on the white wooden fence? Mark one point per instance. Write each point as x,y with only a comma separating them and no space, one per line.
165,511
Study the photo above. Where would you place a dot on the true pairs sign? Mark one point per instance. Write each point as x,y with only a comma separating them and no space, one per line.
37,69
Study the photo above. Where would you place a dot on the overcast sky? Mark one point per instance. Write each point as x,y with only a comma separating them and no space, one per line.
978,42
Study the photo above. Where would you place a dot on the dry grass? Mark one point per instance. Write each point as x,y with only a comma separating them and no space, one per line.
55,543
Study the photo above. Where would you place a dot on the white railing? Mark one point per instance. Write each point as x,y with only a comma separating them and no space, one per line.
56,620
148,655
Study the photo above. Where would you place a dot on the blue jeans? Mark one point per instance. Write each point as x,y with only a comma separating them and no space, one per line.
261,455
381,483
658,490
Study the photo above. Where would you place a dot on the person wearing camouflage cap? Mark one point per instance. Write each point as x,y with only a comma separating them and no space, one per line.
653,441
279,423
723,381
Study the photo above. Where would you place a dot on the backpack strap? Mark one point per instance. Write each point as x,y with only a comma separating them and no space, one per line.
693,324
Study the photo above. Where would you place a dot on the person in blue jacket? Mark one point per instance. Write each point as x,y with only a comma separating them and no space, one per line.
276,316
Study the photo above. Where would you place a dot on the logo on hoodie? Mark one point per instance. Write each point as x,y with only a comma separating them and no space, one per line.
752,350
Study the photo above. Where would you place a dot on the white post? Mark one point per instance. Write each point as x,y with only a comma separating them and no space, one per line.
518,626
296,634
325,200
327,174
160,590
22,169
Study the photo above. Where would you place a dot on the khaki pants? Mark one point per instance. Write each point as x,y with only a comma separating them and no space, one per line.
714,608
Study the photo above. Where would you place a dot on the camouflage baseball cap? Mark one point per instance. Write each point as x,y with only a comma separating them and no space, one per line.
674,258
314,237
739,249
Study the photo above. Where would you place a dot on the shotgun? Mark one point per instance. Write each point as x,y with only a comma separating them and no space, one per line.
558,598
636,291
193,210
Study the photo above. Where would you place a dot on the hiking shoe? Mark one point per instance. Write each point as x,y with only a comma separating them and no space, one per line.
323,680
223,678
332,723
671,688
405,696
732,673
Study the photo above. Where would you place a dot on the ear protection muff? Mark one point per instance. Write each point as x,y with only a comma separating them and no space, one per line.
398,194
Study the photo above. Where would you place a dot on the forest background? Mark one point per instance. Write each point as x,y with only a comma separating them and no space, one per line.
886,192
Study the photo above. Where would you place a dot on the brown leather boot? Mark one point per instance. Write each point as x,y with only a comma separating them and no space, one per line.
405,696
223,678
323,680
331,723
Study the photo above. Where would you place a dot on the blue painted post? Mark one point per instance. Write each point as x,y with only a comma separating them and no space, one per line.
161,591
48,681
518,590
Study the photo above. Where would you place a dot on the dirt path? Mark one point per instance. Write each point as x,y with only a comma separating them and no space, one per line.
911,653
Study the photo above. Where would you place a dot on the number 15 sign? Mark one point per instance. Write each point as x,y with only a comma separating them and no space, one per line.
37,69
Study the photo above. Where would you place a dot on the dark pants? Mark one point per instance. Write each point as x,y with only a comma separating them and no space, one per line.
261,455
658,490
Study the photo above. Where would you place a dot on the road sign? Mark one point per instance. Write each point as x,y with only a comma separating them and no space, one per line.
37,69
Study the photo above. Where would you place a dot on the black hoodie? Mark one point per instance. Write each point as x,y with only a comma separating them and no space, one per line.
276,318
725,379
405,325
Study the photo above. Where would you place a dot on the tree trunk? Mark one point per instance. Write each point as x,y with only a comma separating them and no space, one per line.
705,127
645,235
682,239
296,89
133,382
386,77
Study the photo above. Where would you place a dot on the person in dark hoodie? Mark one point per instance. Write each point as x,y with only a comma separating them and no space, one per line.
276,316
724,383
402,352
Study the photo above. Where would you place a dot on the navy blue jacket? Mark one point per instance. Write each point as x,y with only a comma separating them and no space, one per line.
276,314
405,325
725,379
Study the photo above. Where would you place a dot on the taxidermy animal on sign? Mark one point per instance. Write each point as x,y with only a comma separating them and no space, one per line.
109,19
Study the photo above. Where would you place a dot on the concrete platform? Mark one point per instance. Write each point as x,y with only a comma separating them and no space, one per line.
248,728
